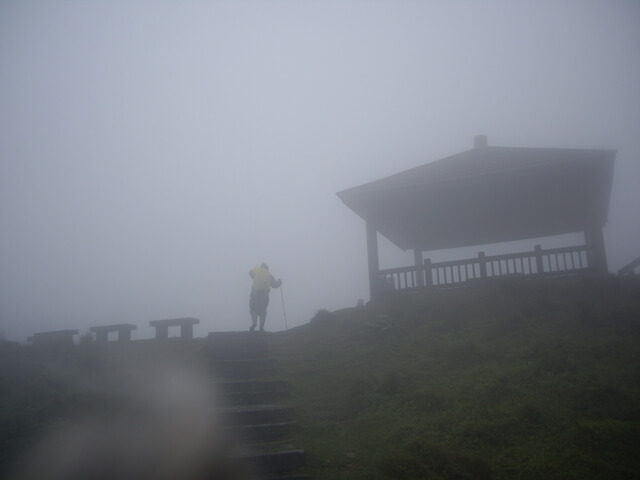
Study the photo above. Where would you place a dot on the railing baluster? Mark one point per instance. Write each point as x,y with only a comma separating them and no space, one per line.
557,261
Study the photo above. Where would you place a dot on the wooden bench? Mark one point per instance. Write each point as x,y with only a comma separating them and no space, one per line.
54,337
185,324
123,329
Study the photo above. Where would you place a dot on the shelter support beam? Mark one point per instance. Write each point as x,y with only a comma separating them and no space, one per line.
428,275
372,256
598,255
417,261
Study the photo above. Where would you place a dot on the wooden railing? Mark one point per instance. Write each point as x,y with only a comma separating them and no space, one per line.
545,263
630,267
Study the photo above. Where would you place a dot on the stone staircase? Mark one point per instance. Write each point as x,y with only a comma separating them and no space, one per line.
241,363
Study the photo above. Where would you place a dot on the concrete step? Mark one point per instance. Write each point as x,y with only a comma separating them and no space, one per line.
237,345
252,392
243,368
258,414
242,357
267,432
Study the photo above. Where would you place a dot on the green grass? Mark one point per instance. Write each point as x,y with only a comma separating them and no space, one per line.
508,380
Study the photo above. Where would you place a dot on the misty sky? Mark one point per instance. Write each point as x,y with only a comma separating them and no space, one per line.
151,153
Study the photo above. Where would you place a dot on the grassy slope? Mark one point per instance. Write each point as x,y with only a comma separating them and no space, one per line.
513,380
42,389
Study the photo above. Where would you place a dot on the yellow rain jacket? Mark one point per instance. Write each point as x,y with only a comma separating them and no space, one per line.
262,279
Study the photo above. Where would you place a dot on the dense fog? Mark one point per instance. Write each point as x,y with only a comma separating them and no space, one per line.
152,153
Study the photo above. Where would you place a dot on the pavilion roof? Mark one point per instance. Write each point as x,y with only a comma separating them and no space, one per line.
487,195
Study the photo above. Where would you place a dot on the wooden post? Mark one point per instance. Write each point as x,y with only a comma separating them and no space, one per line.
186,330
537,250
162,331
372,256
102,336
483,265
427,273
597,253
417,261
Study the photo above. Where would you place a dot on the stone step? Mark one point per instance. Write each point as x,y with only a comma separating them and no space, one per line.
271,464
243,368
267,432
253,386
241,358
252,398
258,414
251,392
237,345
299,476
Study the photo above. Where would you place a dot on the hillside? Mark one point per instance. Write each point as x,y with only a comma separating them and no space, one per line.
511,380
514,380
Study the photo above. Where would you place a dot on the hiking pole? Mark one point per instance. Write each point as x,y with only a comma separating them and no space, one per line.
284,312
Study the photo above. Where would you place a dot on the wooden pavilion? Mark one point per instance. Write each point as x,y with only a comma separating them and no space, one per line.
488,195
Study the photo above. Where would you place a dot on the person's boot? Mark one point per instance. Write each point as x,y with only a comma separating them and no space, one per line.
262,319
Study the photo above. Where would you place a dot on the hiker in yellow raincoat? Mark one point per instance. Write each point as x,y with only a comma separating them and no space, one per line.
263,281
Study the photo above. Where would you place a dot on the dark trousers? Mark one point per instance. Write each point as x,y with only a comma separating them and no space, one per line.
258,302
